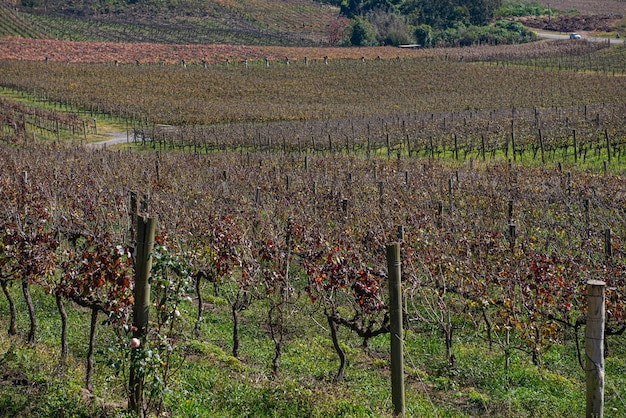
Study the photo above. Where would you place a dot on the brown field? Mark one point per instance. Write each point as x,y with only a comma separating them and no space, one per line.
16,48
98,52
588,6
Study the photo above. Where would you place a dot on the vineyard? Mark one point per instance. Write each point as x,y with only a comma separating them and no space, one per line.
275,181
301,236
303,88
251,22
11,24
557,101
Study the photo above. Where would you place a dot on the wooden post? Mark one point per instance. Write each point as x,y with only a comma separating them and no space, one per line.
608,243
482,149
587,218
145,202
594,349
400,233
513,137
608,144
397,339
432,148
146,229
512,236
23,189
568,182
440,213
543,160
450,194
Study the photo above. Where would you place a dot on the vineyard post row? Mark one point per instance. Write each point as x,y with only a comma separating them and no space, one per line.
594,349
394,268
146,229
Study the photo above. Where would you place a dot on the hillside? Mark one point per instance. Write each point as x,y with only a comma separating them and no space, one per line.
589,7
12,24
293,23
583,16
249,22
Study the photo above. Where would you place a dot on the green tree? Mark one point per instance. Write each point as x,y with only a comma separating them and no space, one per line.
351,8
443,14
482,11
390,28
437,13
362,33
424,35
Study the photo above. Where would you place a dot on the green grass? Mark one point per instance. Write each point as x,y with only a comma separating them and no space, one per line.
106,122
595,158
211,383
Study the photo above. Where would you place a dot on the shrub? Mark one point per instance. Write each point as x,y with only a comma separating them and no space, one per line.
519,9
390,28
424,35
361,33
502,32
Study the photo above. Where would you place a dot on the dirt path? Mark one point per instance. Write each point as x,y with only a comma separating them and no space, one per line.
115,138
558,35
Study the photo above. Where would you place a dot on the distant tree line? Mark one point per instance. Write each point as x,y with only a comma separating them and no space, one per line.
429,22
439,14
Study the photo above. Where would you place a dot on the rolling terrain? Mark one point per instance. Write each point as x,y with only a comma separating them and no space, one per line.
251,22
278,169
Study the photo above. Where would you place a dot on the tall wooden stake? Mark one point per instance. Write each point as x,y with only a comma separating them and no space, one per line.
608,243
608,144
543,160
397,339
146,229
134,208
594,349
575,146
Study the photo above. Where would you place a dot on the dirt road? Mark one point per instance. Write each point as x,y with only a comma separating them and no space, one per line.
115,138
556,35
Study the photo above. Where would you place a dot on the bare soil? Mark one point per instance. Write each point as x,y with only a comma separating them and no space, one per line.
578,23
588,7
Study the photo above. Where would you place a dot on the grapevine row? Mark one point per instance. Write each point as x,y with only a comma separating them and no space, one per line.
510,246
